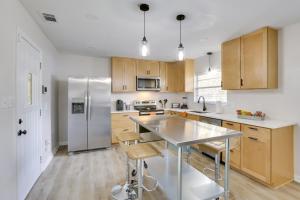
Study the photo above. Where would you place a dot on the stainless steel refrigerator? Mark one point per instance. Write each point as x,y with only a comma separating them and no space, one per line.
89,113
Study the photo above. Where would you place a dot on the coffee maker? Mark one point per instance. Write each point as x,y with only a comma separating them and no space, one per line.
119,105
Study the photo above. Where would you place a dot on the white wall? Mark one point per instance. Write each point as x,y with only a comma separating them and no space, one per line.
80,66
13,16
281,103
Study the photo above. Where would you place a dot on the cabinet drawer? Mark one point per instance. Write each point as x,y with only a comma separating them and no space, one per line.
231,125
256,133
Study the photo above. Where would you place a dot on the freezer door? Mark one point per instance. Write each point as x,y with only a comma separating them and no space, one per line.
77,114
99,113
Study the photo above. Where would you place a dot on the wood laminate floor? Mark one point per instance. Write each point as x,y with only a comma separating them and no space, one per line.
91,175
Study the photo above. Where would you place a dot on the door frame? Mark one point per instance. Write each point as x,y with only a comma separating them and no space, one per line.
23,35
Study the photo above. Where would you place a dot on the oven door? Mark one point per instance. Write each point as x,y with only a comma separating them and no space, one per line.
147,83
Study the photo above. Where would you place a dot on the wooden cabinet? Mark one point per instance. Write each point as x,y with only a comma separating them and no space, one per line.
259,59
163,77
231,64
255,57
235,154
123,74
256,152
121,124
180,76
147,68
192,117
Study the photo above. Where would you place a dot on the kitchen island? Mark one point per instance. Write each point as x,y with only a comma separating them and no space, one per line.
184,181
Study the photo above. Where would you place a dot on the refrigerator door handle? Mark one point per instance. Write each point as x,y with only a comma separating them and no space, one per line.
86,105
90,103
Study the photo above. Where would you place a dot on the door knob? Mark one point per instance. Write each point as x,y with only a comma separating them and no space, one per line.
20,132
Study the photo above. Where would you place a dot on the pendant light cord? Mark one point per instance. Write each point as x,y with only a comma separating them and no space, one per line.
144,24
180,33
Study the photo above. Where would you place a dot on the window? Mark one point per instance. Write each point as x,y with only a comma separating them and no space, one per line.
209,86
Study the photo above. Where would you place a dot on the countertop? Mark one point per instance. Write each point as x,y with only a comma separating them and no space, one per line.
179,131
124,111
267,123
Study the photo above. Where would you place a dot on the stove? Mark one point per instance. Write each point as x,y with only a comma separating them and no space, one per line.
148,107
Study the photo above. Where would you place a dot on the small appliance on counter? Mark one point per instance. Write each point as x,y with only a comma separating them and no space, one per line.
184,103
119,105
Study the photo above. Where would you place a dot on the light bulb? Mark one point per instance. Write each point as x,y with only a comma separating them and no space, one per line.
144,48
180,52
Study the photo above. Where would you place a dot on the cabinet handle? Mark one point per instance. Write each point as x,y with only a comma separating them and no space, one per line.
253,138
252,128
125,129
123,87
125,115
242,82
230,124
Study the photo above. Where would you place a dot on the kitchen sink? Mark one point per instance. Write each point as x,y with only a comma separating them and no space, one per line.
199,111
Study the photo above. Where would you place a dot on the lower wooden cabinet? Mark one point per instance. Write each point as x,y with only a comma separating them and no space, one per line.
266,155
192,117
256,155
121,124
235,154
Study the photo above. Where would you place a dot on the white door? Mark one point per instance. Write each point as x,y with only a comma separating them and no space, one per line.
28,115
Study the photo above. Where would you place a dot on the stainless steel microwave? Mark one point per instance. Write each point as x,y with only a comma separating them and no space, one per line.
147,83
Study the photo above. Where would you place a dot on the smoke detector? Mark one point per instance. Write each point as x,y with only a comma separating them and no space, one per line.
49,17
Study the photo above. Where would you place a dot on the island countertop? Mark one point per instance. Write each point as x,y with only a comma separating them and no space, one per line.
180,131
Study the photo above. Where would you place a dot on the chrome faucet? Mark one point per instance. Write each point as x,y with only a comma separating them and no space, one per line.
204,106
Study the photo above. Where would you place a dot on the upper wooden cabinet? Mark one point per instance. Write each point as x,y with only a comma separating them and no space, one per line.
147,68
123,74
180,76
255,57
174,76
231,64
163,77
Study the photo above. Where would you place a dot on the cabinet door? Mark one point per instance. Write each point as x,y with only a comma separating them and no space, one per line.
118,74
189,75
235,154
231,64
163,76
180,76
153,68
142,68
254,60
256,154
172,76
130,75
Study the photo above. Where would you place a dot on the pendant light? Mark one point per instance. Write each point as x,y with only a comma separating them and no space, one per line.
180,18
144,45
209,61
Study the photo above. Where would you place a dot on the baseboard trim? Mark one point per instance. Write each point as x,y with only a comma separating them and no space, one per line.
63,143
297,178
49,159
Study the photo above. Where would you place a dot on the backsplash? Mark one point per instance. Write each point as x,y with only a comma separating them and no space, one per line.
129,98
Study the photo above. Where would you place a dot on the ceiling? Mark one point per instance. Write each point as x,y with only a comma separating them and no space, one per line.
115,27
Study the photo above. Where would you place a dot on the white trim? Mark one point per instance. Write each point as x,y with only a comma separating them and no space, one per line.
50,158
63,143
297,178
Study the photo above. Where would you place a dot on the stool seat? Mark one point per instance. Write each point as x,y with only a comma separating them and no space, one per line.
216,147
142,151
130,136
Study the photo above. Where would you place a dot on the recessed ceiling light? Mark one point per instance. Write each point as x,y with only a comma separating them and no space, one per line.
92,17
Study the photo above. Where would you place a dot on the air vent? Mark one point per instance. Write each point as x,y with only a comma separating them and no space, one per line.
49,17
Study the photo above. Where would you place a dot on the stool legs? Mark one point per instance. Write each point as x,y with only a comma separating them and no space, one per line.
140,179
